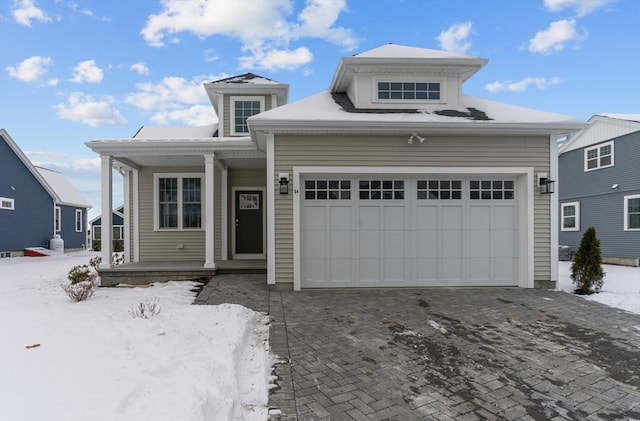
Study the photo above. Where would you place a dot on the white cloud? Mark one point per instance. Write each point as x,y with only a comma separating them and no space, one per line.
31,69
277,59
521,85
87,110
265,27
581,7
210,55
456,38
140,67
198,115
25,11
87,71
555,38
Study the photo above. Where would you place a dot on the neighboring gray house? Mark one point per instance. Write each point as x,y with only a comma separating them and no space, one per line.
391,177
94,235
36,203
599,186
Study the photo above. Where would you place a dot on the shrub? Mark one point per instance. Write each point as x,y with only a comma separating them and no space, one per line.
146,309
80,291
81,273
95,262
586,269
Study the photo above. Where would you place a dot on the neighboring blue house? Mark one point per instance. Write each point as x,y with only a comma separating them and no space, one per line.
36,203
117,225
599,186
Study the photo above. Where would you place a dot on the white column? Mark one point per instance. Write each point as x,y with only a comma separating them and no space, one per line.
127,214
209,211
553,207
271,212
224,218
135,218
106,242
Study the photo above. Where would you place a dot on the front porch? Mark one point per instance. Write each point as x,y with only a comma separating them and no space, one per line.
142,273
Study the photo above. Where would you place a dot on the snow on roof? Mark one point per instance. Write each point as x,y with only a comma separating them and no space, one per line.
249,78
602,127
63,188
628,117
403,51
167,132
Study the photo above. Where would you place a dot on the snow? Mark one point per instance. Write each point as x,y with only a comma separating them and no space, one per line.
63,188
619,116
621,288
171,132
395,51
437,326
93,361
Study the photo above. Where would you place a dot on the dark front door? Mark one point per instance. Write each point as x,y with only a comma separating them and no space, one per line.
249,222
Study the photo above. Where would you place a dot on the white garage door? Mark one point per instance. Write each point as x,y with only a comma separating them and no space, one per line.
417,230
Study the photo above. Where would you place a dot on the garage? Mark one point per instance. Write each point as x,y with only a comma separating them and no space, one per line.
401,229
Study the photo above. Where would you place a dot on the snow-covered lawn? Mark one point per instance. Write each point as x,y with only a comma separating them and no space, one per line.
621,288
94,361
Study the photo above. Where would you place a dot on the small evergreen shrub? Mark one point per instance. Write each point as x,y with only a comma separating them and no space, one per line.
146,309
586,269
81,273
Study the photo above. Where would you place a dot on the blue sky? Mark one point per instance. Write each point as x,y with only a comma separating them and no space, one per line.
74,71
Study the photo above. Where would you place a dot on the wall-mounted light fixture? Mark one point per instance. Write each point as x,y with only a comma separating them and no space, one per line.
414,137
615,186
545,184
284,182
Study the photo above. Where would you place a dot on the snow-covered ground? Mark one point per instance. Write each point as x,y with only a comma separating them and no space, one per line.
621,288
94,361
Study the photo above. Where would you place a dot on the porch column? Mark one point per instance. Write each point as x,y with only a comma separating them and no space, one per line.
209,211
126,192
224,218
271,211
106,242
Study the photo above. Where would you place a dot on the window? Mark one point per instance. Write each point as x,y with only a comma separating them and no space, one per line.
6,203
381,189
600,156
241,109
178,201
409,90
570,216
632,213
57,220
440,189
78,220
491,190
97,232
117,230
327,189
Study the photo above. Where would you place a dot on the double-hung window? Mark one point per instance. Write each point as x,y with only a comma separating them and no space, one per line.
599,156
570,216
632,212
243,107
79,220
57,219
178,203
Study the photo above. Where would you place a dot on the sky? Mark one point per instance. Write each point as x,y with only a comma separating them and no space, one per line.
76,71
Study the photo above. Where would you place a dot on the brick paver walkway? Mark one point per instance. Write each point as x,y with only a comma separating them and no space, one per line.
439,354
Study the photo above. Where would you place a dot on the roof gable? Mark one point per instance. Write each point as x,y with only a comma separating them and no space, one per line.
602,127
66,192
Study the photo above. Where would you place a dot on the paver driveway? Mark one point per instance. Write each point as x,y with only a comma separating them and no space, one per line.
477,353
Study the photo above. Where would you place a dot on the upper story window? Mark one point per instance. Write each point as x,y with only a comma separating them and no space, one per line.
599,156
6,203
632,212
429,91
243,107
178,201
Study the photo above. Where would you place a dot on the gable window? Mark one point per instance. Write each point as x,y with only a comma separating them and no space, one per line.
570,216
178,201
57,220
409,90
600,156
78,220
241,109
632,213
6,203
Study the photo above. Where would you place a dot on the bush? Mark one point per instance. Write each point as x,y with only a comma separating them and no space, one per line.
146,309
80,291
83,281
81,273
586,269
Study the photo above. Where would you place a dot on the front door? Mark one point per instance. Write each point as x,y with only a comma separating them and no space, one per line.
249,223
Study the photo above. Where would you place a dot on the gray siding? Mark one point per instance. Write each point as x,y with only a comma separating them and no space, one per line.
601,206
380,151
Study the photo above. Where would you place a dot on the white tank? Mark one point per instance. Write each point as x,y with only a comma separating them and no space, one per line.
57,243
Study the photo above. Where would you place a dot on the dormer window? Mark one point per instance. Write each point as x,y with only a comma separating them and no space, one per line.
243,107
425,91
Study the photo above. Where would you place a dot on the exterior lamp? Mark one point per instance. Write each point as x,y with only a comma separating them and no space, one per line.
284,183
545,184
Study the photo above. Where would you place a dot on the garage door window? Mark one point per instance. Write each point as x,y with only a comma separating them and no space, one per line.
381,189
439,189
491,190
327,189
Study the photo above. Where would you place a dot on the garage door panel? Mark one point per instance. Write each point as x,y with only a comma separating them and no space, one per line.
479,217
450,269
369,270
340,219
314,270
340,244
479,269
477,243
427,217
503,218
369,244
427,271
393,244
314,218
341,270
427,244
503,244
450,218
368,218
394,218
394,270
451,244
504,271
314,245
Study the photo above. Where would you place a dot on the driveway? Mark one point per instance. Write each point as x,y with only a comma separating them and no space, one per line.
444,353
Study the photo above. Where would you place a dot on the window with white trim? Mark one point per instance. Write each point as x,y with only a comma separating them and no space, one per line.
632,212
57,219
6,203
491,189
439,189
425,91
599,156
78,220
178,201
243,107
381,189
327,189
570,216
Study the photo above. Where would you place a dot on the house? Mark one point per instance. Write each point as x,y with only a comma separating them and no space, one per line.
599,186
36,203
391,177
94,235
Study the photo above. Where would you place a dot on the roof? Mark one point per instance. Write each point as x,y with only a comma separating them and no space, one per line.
602,127
246,84
119,211
169,132
321,113
248,78
66,192
402,51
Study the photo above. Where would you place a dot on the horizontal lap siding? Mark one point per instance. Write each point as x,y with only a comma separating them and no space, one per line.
393,151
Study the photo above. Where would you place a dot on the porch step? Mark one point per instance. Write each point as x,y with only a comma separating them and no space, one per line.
230,270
